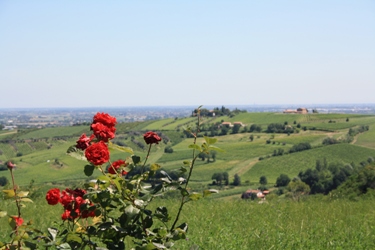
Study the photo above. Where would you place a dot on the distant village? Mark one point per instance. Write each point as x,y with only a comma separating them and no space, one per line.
11,119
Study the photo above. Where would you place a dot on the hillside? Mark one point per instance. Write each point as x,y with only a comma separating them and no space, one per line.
41,153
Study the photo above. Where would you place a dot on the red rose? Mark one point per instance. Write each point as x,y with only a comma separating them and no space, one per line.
66,199
105,119
53,196
84,141
151,137
102,132
65,215
17,220
113,169
97,153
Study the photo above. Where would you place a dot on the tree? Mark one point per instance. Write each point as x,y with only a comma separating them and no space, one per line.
213,155
297,188
168,149
236,180
263,180
226,178
3,181
220,177
282,181
255,128
251,137
236,128
224,130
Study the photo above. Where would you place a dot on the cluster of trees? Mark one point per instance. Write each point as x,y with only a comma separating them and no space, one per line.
255,128
358,184
280,128
324,178
300,147
336,178
223,111
220,178
357,130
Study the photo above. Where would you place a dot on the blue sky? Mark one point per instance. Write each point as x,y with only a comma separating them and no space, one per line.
176,53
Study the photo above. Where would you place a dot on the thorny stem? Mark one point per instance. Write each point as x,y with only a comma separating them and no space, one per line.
148,154
17,204
190,171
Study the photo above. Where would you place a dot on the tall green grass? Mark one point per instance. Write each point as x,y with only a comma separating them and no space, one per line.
315,223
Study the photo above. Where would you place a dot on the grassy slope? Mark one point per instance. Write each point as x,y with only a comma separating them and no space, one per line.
56,132
240,156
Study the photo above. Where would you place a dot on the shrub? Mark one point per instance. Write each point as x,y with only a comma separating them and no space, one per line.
168,150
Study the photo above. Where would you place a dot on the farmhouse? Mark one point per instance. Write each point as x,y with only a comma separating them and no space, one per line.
227,124
296,111
251,192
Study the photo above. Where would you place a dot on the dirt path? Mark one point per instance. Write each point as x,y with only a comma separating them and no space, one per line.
9,133
243,167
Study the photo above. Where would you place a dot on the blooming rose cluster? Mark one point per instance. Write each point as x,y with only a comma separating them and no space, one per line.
73,202
96,150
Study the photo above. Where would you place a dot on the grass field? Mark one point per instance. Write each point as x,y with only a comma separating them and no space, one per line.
235,224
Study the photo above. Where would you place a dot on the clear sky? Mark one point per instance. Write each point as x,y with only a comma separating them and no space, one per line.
192,52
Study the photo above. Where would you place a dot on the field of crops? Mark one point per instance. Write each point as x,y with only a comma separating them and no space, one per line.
56,132
292,164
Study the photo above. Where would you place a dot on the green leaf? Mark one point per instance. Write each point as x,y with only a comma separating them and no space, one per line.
131,211
22,194
159,246
63,246
216,148
155,167
118,185
129,167
89,170
9,193
26,200
73,237
186,163
72,149
195,146
210,140
120,148
3,213
195,196
136,159
209,192
204,147
104,181
149,246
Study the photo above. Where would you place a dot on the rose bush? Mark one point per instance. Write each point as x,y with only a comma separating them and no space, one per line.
114,206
